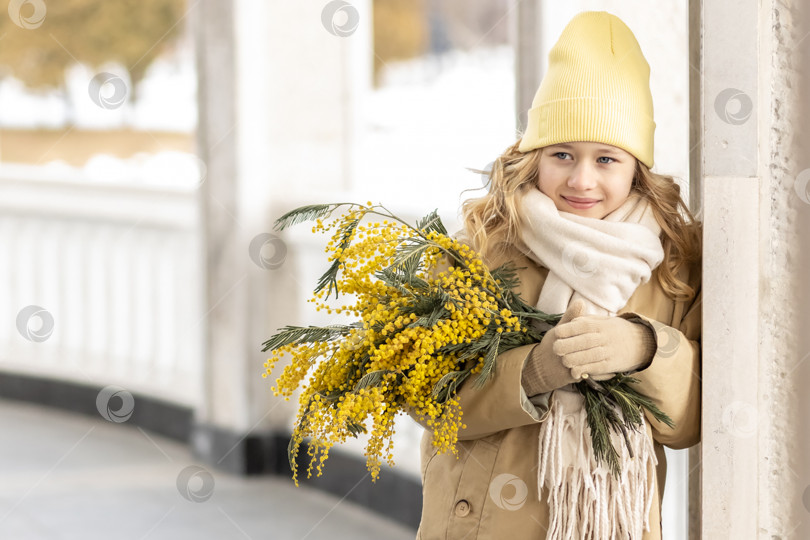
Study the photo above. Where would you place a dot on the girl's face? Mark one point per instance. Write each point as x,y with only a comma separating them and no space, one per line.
588,179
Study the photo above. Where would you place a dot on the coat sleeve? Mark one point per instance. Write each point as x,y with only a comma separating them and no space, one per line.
501,403
672,379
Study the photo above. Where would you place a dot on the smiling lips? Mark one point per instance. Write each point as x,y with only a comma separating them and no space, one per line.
580,203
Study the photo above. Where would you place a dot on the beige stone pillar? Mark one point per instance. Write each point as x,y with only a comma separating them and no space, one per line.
279,84
798,436
732,265
755,198
530,58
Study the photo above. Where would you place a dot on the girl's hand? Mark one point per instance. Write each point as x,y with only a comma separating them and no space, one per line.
603,346
544,370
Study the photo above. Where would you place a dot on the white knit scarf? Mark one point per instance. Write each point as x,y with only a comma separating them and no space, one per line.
601,261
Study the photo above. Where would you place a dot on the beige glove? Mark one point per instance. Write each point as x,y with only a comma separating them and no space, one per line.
600,346
544,370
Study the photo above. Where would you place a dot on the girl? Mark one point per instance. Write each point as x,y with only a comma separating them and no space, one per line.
596,235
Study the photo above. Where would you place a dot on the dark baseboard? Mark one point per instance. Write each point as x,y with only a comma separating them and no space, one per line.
394,495
161,417
255,453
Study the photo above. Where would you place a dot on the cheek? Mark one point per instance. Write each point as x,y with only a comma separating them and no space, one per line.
622,184
542,185
547,181
622,190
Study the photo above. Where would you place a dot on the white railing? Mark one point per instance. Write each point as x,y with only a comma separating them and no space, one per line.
116,269
102,285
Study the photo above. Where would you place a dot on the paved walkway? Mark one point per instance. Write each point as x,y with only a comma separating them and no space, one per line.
66,476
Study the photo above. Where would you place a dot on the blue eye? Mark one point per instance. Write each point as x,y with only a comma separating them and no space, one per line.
565,155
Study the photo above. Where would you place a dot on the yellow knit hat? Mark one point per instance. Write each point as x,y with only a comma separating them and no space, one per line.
597,88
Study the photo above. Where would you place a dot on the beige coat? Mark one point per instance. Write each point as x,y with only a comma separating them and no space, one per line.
478,495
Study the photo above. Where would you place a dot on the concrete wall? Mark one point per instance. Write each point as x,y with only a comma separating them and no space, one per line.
754,472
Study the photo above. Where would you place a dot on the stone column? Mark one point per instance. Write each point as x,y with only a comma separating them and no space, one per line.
278,84
731,202
755,198
796,439
530,60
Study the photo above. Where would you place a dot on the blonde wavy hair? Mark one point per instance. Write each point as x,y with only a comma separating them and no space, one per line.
491,222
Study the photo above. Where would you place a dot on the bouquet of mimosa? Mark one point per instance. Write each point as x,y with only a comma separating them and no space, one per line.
429,314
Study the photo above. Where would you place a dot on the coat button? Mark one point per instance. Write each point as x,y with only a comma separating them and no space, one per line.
462,508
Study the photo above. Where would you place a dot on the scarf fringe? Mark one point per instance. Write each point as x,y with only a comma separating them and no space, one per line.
585,500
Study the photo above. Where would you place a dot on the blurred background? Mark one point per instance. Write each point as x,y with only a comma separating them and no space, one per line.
146,149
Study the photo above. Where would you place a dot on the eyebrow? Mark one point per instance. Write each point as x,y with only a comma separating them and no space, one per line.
606,149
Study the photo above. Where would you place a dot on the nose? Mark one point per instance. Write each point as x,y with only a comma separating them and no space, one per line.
583,177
